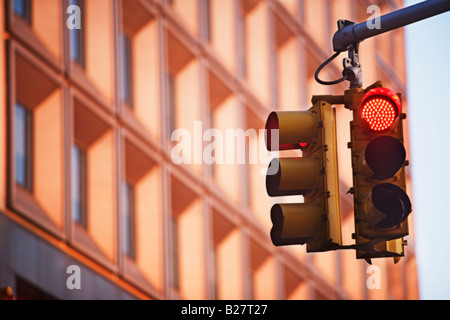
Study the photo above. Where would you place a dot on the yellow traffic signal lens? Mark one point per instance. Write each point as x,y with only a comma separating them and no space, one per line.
293,176
380,108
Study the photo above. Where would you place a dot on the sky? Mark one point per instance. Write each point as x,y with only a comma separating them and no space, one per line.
428,81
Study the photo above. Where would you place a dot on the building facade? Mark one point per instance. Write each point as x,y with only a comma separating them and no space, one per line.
111,187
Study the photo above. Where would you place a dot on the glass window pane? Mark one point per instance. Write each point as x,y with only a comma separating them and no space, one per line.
20,144
175,252
125,54
76,42
76,196
126,218
22,8
208,20
171,97
215,275
129,214
19,7
79,185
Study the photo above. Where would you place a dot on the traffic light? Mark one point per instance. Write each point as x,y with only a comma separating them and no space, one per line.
316,221
381,204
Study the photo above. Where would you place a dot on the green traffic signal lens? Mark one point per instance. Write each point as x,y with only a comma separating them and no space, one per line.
392,202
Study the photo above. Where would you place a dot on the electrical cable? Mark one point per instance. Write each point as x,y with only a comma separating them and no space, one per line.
329,83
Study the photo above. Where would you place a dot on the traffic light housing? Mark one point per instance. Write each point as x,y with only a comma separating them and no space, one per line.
316,221
381,204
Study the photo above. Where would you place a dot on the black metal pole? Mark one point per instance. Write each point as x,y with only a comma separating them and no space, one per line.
351,33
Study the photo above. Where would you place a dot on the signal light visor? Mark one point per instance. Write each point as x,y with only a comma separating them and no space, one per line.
288,130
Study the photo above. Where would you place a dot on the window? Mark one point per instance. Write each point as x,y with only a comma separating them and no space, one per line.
22,8
242,40
76,37
251,286
215,284
171,98
126,66
208,20
174,254
129,220
23,146
79,185
181,81
213,153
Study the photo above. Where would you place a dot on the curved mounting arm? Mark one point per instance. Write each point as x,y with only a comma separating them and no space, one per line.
349,35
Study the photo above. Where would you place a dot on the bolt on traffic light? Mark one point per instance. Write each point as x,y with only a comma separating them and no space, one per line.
316,221
381,204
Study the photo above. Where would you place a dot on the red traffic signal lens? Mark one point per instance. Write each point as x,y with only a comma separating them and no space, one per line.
380,107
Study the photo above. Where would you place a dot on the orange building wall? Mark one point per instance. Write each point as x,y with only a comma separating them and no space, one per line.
260,55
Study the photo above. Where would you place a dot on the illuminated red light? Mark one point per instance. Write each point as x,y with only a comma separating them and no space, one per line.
380,108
